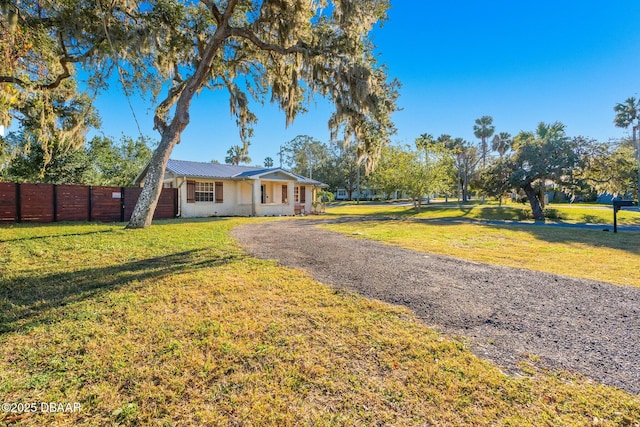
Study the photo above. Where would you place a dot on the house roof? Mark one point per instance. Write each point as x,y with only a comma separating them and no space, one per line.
258,172
205,170
211,170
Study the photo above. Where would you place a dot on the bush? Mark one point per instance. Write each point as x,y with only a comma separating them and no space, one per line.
525,213
553,214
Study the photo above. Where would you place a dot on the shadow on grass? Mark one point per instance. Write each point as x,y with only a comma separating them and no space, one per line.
24,300
44,236
568,233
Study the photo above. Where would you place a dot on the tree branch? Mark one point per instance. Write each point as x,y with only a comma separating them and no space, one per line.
246,34
184,92
214,10
64,61
59,78
229,11
159,120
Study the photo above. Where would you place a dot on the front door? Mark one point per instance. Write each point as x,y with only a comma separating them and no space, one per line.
285,194
263,194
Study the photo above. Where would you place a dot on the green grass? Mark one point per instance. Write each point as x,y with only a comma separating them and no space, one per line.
588,254
176,325
596,214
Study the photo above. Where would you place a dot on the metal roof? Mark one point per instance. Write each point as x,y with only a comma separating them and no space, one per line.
213,170
260,171
205,170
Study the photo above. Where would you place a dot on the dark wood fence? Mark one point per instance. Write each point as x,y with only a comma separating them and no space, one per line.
54,203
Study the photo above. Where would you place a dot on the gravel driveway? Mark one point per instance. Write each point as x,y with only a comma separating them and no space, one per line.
505,313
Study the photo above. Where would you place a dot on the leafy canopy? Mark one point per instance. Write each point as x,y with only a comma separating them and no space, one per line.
281,51
35,88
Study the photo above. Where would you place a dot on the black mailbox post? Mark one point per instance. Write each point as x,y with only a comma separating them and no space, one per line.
617,204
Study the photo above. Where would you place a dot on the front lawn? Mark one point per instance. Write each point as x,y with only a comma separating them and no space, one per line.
582,253
176,325
583,213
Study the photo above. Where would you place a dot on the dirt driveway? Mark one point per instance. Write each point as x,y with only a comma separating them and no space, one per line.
505,313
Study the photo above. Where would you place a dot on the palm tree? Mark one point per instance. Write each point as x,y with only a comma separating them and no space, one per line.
626,113
268,162
483,130
501,143
547,131
236,155
425,142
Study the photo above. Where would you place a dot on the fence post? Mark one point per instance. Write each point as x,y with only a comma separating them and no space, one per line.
90,216
55,203
122,204
175,202
18,204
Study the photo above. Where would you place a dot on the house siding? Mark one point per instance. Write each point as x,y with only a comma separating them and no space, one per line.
237,199
228,207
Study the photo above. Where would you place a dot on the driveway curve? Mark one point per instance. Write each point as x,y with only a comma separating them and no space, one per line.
505,313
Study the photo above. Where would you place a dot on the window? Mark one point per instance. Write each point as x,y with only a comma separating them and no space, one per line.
191,191
204,191
219,192
300,194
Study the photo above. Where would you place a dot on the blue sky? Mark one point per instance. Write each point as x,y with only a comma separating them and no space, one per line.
521,62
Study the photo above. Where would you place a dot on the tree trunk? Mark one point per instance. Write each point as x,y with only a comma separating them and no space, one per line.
536,207
465,189
417,204
148,200
181,97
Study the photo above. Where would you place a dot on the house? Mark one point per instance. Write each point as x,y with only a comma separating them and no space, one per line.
366,193
208,189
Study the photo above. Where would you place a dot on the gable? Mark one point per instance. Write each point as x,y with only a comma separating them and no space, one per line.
278,176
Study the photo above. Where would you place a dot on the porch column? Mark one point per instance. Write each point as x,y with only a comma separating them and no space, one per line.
290,189
256,200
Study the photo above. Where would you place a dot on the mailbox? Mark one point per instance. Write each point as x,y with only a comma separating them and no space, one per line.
617,204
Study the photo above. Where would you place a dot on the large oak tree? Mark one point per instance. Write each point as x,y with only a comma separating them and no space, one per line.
545,154
282,51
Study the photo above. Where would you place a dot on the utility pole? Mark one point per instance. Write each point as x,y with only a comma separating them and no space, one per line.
309,163
358,184
281,154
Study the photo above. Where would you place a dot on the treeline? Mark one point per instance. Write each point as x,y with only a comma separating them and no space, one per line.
101,161
529,165
333,164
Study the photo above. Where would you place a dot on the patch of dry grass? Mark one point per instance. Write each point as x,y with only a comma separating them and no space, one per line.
175,325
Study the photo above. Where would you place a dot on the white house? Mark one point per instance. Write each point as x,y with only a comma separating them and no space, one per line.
208,189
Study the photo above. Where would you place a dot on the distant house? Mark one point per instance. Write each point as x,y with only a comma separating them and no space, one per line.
208,189
365,194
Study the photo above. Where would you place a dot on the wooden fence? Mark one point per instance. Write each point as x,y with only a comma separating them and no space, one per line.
53,203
